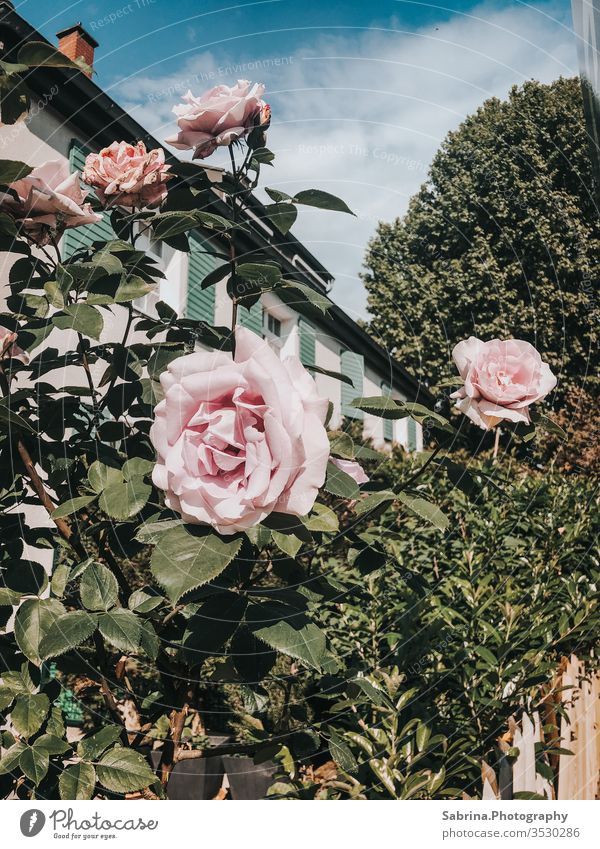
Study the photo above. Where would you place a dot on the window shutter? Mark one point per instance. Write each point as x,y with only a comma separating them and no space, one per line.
81,237
251,318
388,424
353,367
307,335
412,435
200,302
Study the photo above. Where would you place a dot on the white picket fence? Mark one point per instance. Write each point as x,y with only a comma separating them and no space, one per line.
577,775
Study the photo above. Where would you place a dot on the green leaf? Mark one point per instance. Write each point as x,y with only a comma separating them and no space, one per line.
72,506
92,747
322,518
213,624
341,753
13,420
133,287
52,744
341,445
374,500
288,543
82,318
35,53
282,215
99,589
340,483
10,759
488,656
289,631
145,600
122,629
32,622
425,510
123,499
262,274
184,559
322,200
101,476
11,171
380,405
77,782
29,712
34,764
25,576
336,375
123,771
67,632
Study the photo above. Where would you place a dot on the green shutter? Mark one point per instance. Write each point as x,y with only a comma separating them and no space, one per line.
200,302
81,237
352,367
252,318
412,435
388,424
307,335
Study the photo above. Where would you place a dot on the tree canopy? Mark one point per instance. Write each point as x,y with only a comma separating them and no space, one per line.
501,240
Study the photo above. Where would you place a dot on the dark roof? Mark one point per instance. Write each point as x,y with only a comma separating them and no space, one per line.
100,120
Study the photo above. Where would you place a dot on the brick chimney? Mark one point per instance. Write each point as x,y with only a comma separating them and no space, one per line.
76,43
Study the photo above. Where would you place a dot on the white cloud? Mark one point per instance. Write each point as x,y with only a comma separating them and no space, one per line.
362,116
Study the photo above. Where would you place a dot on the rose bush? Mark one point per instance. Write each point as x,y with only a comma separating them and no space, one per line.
219,117
128,175
190,502
238,438
46,202
501,380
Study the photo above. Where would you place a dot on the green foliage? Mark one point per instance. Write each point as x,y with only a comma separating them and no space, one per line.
502,240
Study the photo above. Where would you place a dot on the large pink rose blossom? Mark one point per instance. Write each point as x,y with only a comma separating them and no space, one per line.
9,347
501,380
218,117
128,175
47,202
239,438
352,468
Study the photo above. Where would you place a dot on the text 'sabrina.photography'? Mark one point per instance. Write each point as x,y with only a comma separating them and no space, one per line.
299,427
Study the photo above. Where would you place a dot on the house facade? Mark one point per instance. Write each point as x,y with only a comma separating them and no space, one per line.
74,116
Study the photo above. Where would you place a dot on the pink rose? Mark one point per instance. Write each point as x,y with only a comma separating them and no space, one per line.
128,175
352,468
47,202
501,380
9,347
239,438
219,117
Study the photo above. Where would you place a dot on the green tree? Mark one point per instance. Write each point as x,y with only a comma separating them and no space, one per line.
503,239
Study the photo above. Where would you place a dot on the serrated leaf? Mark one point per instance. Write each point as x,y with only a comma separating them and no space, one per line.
34,764
322,519
100,476
322,200
123,771
123,499
92,747
289,631
12,170
121,628
340,483
184,560
373,500
425,510
382,406
52,744
342,753
99,589
72,505
82,318
29,712
77,782
67,632
32,622
288,543
10,759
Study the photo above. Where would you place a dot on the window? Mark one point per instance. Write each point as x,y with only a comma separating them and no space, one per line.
200,302
307,342
412,435
388,424
353,367
273,325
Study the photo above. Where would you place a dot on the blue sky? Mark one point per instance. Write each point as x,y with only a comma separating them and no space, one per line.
362,93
